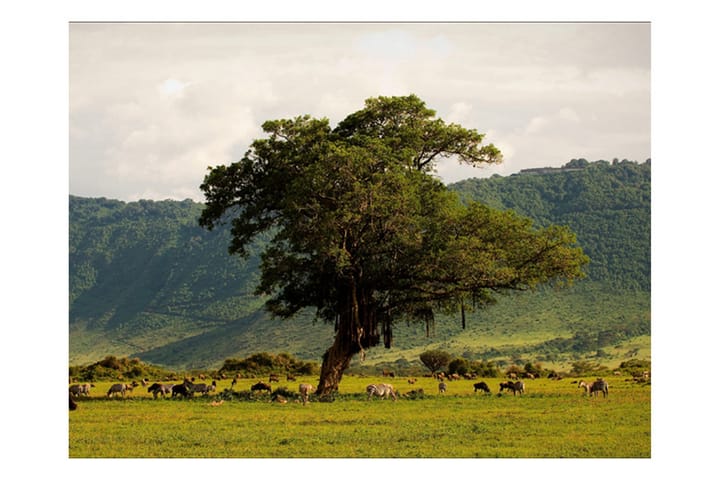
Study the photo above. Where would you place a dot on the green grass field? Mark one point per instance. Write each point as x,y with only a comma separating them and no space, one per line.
552,420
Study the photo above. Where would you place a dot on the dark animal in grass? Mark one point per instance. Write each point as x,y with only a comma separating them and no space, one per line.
481,386
181,390
260,386
73,405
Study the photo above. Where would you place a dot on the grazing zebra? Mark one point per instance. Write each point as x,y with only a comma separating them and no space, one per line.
203,388
77,390
442,387
160,389
382,390
481,386
120,388
305,390
599,385
584,385
514,386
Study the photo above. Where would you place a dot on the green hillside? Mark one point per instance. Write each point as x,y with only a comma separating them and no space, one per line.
146,281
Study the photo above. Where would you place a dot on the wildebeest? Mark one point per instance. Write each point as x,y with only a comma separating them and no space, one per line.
514,386
599,385
120,388
481,386
181,390
273,378
73,405
261,386
291,377
160,389
382,390
442,387
305,390
77,390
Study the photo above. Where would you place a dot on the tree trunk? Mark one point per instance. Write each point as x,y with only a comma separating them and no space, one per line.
356,330
335,361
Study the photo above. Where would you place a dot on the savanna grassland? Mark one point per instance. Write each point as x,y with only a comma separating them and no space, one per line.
552,420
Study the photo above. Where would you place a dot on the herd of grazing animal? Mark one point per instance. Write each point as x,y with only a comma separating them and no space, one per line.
187,389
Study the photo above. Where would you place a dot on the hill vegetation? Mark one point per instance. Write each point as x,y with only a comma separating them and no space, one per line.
146,281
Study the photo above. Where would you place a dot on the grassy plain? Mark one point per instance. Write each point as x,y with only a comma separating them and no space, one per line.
552,420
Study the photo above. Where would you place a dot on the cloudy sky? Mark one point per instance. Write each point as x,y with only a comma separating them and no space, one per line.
152,105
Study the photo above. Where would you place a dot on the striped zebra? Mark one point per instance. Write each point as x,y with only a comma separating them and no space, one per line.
584,385
516,387
78,390
382,390
120,388
305,390
599,385
203,388
160,389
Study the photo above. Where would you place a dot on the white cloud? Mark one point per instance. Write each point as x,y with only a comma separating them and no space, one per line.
152,105
172,87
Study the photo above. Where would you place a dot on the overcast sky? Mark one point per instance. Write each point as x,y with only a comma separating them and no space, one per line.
152,105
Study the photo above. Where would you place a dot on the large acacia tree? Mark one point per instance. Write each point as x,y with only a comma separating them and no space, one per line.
363,232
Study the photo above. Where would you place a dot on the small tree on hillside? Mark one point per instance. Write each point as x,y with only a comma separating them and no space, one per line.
435,360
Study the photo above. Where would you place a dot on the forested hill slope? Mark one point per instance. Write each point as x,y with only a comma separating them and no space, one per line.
146,281
606,205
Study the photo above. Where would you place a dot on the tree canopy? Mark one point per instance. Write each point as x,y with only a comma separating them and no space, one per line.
434,360
362,231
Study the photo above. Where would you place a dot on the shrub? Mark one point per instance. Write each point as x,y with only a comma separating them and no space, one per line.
485,369
110,362
535,370
635,367
459,366
265,363
583,367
